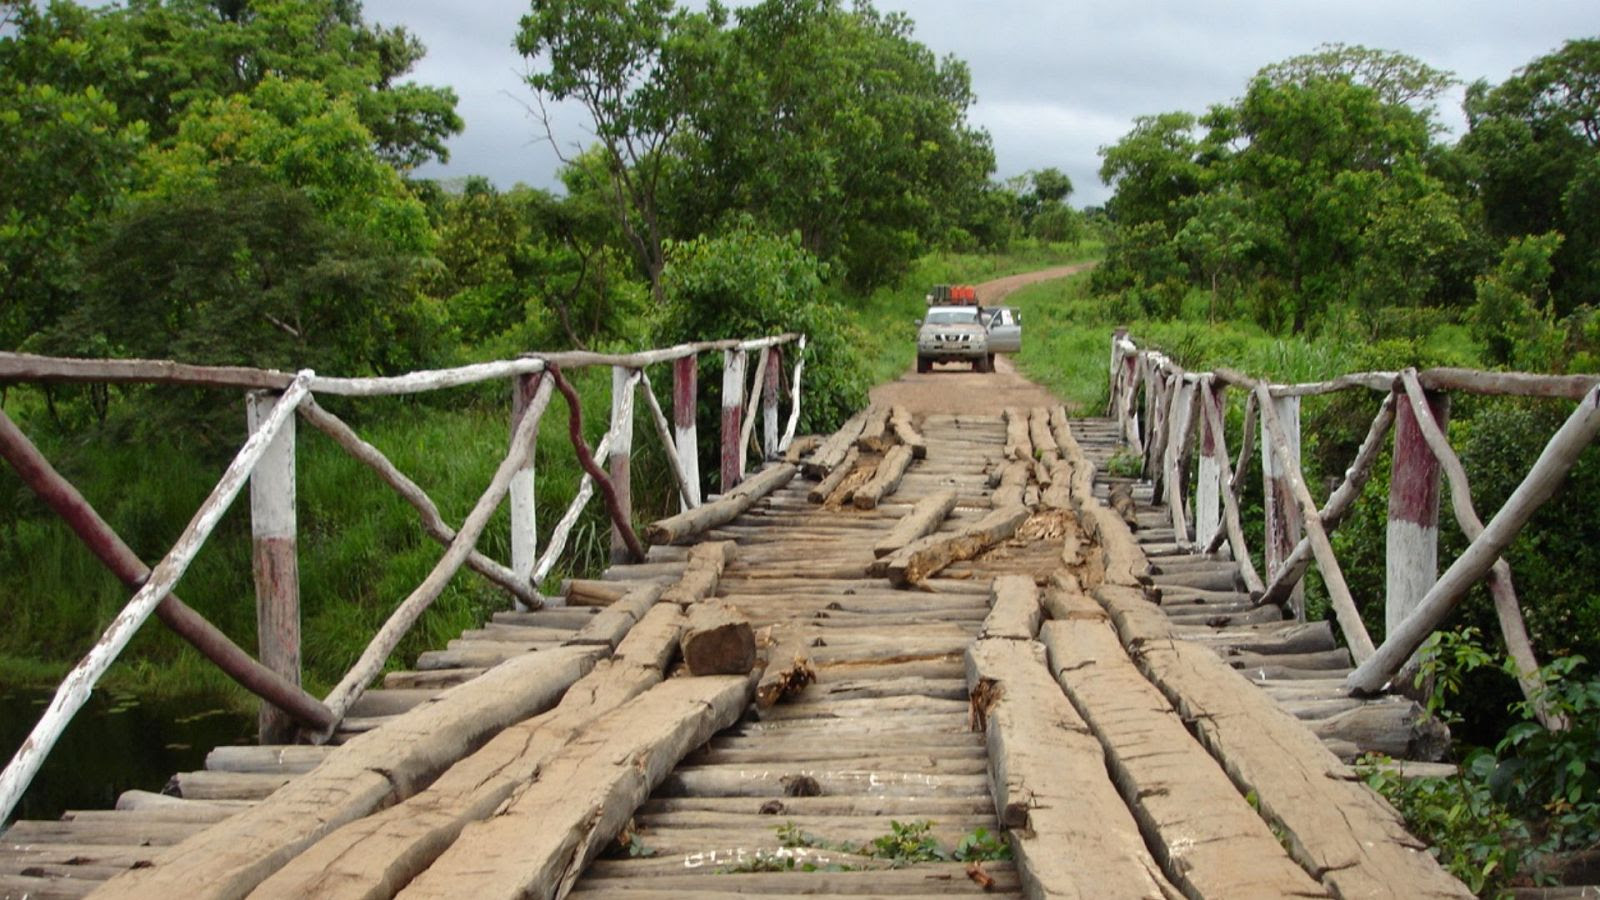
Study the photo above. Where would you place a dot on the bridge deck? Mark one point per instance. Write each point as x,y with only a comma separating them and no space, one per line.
1110,793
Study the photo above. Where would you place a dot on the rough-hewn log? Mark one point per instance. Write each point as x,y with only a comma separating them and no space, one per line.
702,574
886,479
1338,830
275,563
926,556
905,431
377,855
788,667
831,481
794,397
1163,775
923,519
1070,832
1411,545
1339,502
432,522
1018,445
685,404
1402,729
1512,627
522,499
1344,606
620,463
372,770
1283,525
875,435
732,468
769,403
833,451
1208,483
544,838
1233,526
751,404
119,558
75,688
1014,613
718,641
685,525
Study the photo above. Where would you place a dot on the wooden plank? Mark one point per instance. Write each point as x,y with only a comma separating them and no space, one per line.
885,479
717,641
1335,828
379,854
906,432
1015,612
1069,830
687,524
925,556
832,452
875,436
923,519
1206,837
541,841
373,770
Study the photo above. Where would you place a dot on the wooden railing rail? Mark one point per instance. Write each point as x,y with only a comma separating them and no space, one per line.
1169,416
267,461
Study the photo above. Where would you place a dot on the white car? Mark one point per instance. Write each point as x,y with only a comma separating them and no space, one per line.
953,333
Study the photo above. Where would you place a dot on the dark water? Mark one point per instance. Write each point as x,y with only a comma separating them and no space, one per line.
115,743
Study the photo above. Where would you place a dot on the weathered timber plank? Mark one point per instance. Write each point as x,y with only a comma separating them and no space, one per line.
926,556
371,771
377,855
1208,839
1016,612
1342,831
1070,832
544,837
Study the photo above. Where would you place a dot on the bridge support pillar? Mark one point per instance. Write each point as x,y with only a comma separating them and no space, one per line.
1412,538
732,417
524,515
1282,513
1208,487
275,562
685,435
621,458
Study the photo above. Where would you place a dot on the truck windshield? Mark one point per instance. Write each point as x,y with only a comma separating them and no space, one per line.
953,315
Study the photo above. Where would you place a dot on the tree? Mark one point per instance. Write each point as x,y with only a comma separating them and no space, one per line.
1535,142
1151,169
1397,79
1218,237
1512,315
1051,185
637,68
833,121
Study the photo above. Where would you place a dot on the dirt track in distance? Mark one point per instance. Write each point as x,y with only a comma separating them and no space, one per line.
955,388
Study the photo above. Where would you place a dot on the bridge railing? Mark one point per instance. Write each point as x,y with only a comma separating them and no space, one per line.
1174,421
267,462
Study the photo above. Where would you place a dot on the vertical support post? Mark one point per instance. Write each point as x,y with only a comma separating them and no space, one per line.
524,515
1130,389
1412,539
794,397
685,399
732,417
1112,406
769,403
1282,513
275,562
621,457
1208,487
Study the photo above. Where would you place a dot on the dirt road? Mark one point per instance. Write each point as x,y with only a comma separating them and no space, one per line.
955,388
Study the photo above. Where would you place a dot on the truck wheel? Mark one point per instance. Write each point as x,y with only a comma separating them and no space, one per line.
924,365
989,363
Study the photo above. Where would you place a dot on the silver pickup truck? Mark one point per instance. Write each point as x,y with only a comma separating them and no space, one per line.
953,333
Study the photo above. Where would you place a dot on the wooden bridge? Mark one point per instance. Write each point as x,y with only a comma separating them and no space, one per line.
934,653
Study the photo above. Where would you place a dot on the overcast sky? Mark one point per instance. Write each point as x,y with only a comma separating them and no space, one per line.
1055,80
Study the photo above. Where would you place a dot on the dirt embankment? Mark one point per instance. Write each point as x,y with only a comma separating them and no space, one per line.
954,388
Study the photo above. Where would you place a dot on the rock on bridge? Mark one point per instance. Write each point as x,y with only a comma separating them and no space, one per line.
935,653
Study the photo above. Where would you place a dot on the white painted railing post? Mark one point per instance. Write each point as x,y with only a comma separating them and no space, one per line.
1208,486
1112,406
524,511
622,385
1411,553
794,397
1282,517
769,403
275,562
685,400
732,418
